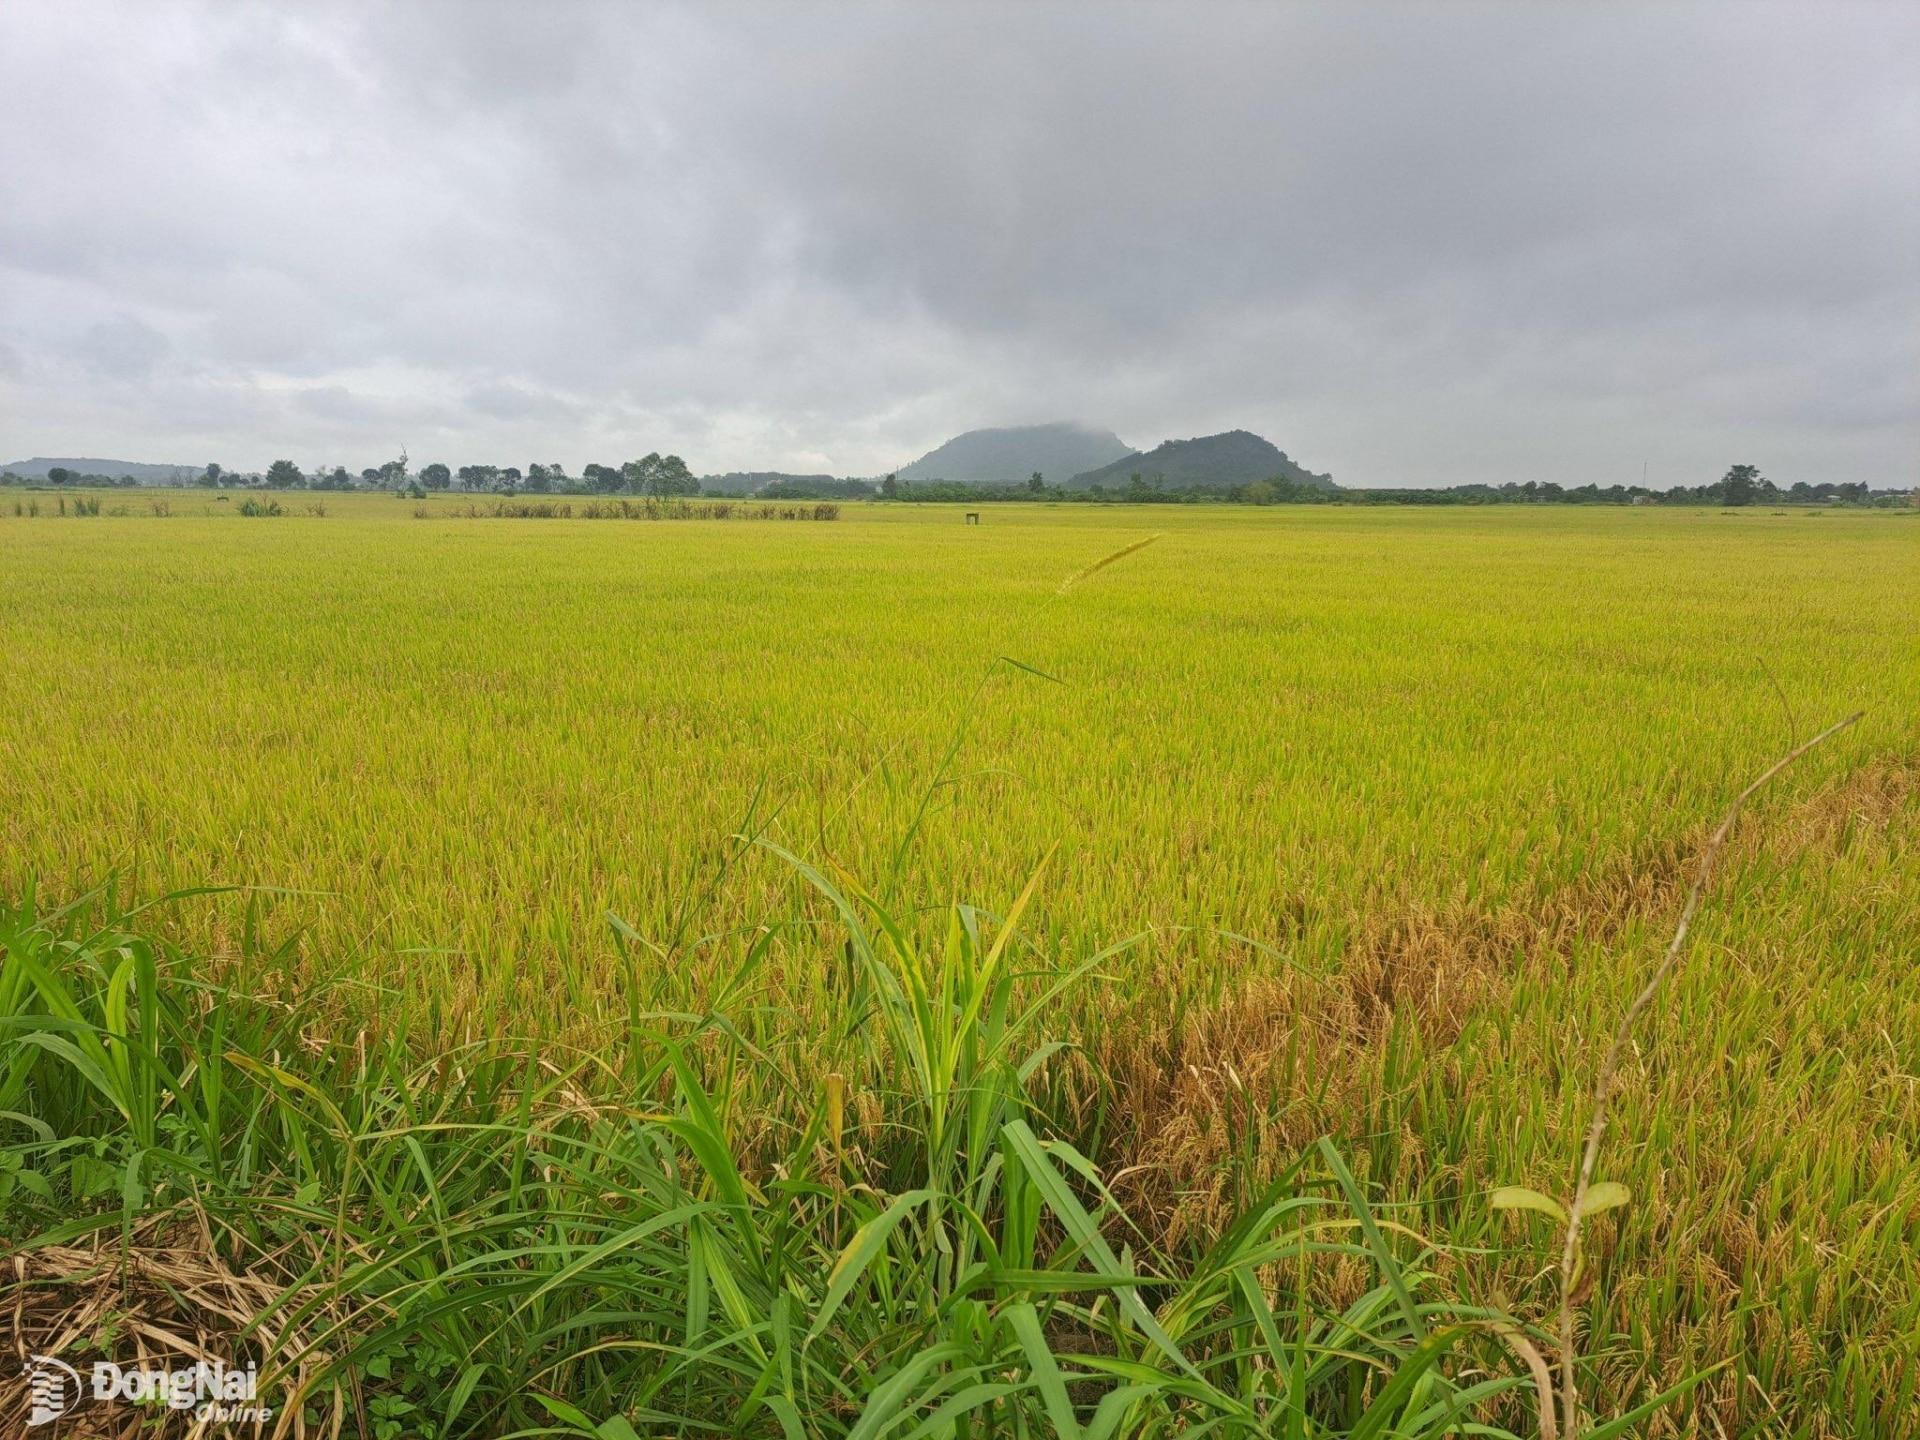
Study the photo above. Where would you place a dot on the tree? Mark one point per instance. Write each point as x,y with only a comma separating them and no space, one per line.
658,474
1739,485
395,472
211,475
604,478
435,476
670,476
890,486
637,475
1036,482
538,480
60,475
372,476
284,475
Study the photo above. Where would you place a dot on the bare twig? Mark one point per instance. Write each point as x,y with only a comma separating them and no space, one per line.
1609,1068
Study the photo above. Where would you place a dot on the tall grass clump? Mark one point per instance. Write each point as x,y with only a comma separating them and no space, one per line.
486,1242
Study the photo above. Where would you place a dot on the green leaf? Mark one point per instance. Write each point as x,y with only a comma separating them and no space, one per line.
33,1123
1519,1197
561,1410
1046,1372
1607,1195
963,1402
1411,1370
1629,1422
1092,1243
463,1391
1389,1267
1113,1408
867,1242
783,1410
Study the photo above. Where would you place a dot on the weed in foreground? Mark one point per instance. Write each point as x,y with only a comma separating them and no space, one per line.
482,1243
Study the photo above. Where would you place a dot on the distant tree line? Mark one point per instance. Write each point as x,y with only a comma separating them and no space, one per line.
1741,485
60,475
655,474
668,475
821,489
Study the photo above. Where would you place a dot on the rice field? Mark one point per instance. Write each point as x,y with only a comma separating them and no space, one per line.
1399,806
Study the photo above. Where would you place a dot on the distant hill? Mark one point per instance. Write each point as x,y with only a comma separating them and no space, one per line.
1211,462
1056,451
36,469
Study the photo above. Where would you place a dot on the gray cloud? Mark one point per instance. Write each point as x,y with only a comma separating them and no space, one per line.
121,349
516,402
1409,244
339,405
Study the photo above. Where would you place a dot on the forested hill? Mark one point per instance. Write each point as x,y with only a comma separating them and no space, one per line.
149,474
1211,462
989,456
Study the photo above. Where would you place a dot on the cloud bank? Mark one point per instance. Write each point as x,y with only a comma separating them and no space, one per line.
1411,245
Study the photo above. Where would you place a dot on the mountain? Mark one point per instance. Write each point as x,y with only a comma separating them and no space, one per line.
1211,462
36,469
1056,451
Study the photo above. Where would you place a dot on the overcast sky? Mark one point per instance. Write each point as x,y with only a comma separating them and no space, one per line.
1409,244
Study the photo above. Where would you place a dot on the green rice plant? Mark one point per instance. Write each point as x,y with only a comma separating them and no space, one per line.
1401,804
1592,1197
